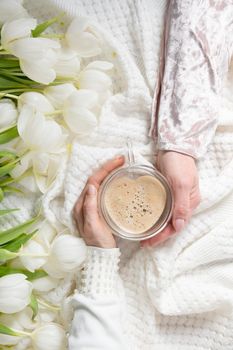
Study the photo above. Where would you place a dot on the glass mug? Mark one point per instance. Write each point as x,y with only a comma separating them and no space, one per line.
134,171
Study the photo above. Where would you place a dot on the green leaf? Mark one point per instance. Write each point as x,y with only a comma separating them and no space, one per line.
9,63
11,189
15,232
6,83
40,28
15,245
8,331
34,305
7,155
1,194
6,255
7,211
7,270
6,169
6,180
8,134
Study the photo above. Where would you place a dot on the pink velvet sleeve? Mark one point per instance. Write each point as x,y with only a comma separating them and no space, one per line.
197,50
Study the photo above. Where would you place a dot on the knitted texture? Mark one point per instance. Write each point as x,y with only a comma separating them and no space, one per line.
179,294
100,273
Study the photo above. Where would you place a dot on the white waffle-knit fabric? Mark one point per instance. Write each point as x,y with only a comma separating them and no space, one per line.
179,295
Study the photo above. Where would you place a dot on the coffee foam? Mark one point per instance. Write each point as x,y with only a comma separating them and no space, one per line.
135,205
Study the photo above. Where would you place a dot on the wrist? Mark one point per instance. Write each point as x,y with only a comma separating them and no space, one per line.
100,273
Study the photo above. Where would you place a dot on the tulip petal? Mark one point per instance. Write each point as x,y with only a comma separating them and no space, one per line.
81,38
58,94
36,258
38,133
17,29
36,100
44,284
38,72
10,10
94,80
49,337
8,113
100,65
82,98
80,121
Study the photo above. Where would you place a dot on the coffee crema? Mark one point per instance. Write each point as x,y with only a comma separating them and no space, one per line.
135,205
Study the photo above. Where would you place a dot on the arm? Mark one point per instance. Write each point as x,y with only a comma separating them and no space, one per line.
196,58
97,322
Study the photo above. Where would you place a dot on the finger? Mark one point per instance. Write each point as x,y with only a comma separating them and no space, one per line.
90,209
181,210
159,238
105,170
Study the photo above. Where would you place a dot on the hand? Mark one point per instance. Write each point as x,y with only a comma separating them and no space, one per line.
90,225
181,172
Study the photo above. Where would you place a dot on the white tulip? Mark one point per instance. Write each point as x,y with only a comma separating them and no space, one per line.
79,111
38,57
12,322
44,284
67,254
11,9
51,336
8,113
36,100
93,76
15,293
68,63
38,133
58,94
33,255
16,29
81,37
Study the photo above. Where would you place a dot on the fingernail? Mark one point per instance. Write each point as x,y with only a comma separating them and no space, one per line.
91,190
179,225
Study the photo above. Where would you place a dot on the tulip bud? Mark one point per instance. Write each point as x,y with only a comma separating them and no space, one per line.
8,113
33,255
15,293
67,254
51,336
58,94
11,9
36,100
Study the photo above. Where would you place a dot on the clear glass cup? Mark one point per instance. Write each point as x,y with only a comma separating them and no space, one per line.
134,170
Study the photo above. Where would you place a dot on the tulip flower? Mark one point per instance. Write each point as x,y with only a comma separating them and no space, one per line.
82,38
50,336
8,113
16,29
79,111
36,100
37,56
11,9
15,293
33,255
68,63
67,253
44,284
58,94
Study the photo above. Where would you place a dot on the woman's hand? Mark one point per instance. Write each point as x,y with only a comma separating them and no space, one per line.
90,225
181,172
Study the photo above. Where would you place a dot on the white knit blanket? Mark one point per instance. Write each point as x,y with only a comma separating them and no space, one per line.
180,292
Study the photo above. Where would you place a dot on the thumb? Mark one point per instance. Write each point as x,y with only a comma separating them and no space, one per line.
181,207
90,210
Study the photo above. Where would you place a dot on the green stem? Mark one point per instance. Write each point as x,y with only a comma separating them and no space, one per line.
47,305
57,112
9,95
21,333
52,36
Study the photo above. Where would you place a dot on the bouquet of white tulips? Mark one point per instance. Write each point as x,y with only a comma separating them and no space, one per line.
48,97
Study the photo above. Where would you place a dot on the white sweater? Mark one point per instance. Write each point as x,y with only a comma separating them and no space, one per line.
177,296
